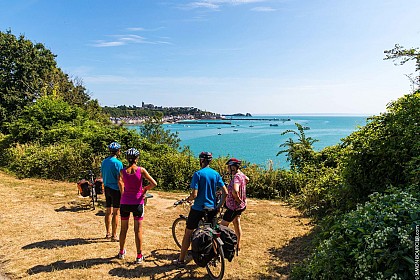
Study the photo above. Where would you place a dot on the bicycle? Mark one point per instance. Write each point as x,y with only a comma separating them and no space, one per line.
216,266
180,223
90,187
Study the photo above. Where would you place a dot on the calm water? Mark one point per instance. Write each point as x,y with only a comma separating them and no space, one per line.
257,141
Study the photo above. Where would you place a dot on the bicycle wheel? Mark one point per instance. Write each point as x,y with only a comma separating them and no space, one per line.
216,267
93,195
178,230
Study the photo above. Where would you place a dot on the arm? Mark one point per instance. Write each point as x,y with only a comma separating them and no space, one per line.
235,192
150,179
121,182
224,195
192,196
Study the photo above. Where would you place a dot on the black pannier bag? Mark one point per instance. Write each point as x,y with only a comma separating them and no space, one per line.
230,240
202,246
98,186
83,187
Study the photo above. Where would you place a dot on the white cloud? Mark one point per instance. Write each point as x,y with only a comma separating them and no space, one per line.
216,4
101,44
263,9
135,29
127,39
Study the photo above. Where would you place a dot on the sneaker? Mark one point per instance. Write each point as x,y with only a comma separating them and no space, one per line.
179,263
121,254
114,239
139,258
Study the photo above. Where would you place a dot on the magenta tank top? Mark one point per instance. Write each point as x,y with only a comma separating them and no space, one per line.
133,188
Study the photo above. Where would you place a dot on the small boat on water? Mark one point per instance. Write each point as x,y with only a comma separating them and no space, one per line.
219,133
235,130
306,128
251,126
273,124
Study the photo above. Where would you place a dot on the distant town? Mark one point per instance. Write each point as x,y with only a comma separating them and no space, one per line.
137,115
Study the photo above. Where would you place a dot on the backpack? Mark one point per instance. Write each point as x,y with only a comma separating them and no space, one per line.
98,186
202,246
83,187
230,240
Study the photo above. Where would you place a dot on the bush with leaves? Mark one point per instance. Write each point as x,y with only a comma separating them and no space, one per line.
375,241
384,152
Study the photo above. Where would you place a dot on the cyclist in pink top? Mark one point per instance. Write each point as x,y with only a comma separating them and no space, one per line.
132,200
236,198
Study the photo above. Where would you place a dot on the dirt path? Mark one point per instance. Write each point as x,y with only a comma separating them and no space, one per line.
47,231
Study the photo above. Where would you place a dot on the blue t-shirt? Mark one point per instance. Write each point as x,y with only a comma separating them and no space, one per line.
110,169
206,181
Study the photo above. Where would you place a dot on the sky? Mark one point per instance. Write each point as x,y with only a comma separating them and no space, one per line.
228,56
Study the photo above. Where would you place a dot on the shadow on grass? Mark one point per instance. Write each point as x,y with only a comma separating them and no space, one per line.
57,243
83,206
161,267
291,254
62,265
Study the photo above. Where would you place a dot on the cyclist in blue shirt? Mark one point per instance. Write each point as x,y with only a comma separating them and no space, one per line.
203,186
110,171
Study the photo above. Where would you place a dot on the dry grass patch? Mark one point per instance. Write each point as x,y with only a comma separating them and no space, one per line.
49,232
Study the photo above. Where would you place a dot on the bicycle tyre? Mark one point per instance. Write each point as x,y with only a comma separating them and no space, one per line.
93,194
178,230
218,260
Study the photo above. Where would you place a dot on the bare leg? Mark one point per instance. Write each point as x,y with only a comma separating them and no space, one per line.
138,235
123,233
238,230
185,244
108,221
115,219
224,223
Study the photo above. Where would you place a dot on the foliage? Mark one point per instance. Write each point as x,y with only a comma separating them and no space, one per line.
60,161
405,55
23,69
321,193
300,152
135,111
153,130
29,71
384,152
375,241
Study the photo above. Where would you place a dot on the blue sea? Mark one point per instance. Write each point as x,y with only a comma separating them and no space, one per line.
257,139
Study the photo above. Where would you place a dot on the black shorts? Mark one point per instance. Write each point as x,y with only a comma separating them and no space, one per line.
195,216
229,215
136,209
112,198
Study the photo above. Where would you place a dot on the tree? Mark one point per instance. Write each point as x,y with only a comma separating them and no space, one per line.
152,130
300,152
29,71
405,55
24,68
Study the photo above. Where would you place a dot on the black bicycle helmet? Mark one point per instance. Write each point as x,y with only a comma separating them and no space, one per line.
234,162
206,155
132,153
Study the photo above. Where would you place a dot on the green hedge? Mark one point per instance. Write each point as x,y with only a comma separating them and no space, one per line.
375,241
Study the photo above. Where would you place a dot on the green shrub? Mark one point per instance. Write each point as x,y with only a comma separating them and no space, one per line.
321,192
384,152
60,161
375,241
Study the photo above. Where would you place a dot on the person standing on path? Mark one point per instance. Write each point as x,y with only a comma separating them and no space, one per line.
204,184
236,198
132,201
110,171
